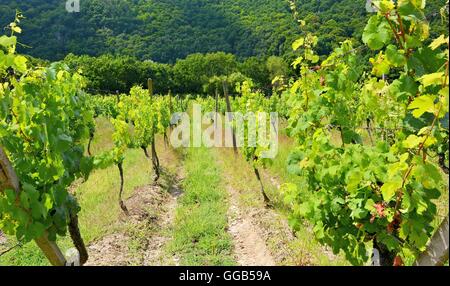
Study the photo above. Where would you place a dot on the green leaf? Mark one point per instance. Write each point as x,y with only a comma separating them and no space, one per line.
418,235
360,213
425,60
381,66
428,174
7,42
376,33
388,240
395,57
404,87
412,8
353,180
302,209
37,210
406,203
319,231
389,188
10,196
24,200
369,205
36,230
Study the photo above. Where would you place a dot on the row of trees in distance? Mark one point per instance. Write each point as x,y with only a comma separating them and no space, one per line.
111,74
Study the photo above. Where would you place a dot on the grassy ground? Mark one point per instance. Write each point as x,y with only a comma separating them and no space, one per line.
200,230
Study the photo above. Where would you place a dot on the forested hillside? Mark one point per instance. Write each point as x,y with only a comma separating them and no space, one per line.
166,30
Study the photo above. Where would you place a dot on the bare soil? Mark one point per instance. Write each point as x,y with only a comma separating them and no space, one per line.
3,239
250,247
144,232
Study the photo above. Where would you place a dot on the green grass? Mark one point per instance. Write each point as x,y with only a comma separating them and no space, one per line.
200,230
29,254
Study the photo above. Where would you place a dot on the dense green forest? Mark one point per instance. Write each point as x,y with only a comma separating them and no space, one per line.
166,30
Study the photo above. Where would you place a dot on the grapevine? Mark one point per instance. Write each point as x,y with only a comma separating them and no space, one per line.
44,124
365,140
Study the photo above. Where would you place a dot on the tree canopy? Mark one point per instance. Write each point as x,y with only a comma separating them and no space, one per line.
167,30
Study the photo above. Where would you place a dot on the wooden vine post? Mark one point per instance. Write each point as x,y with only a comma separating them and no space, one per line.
230,117
170,107
150,87
166,139
155,159
217,107
437,250
9,180
170,102
117,96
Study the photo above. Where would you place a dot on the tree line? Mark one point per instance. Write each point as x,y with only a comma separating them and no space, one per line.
109,74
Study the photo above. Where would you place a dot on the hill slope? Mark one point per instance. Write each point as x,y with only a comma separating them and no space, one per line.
165,30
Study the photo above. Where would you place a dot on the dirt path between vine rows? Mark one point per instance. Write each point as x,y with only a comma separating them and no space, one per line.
154,255
250,248
141,237
262,235
3,239
144,233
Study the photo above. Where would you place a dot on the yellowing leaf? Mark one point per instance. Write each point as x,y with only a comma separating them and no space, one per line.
20,63
297,62
6,41
386,6
60,75
432,79
298,43
404,157
422,104
353,181
424,30
424,130
295,87
430,141
15,28
304,163
370,205
439,42
389,189
412,141
381,66
444,101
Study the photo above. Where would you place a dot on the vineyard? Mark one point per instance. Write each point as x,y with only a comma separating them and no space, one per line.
358,176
